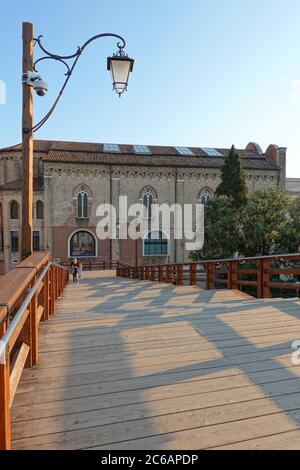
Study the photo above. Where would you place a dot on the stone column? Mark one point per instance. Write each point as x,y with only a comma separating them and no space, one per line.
115,194
6,234
48,215
179,198
281,159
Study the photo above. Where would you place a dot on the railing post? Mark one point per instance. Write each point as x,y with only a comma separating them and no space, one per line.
179,275
160,273
193,274
232,275
56,283
46,296
60,282
51,291
5,403
169,274
265,277
210,276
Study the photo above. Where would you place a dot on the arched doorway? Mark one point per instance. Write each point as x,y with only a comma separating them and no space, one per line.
82,244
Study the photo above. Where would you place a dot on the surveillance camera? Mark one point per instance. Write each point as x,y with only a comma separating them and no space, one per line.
36,82
40,87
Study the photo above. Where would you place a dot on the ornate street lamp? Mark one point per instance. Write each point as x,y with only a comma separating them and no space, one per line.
120,66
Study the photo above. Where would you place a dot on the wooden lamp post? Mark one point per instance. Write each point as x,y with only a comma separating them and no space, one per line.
27,144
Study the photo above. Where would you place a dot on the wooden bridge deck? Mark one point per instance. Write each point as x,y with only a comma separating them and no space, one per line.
135,365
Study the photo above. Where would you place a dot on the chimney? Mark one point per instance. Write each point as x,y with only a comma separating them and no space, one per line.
278,156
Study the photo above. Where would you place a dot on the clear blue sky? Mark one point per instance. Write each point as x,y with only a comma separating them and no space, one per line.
207,72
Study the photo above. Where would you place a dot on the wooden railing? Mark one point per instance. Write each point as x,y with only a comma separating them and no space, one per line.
261,274
95,265
27,295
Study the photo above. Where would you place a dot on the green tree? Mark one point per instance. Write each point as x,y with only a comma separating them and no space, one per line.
290,233
233,182
265,219
268,223
223,232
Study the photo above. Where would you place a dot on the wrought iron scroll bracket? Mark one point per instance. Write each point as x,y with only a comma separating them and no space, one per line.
69,61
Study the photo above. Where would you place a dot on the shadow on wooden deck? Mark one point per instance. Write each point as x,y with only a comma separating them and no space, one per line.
130,364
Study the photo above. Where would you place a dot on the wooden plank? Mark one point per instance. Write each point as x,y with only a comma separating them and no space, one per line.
118,377
213,327
289,440
84,323
262,374
205,437
192,409
95,341
17,369
39,314
3,316
18,330
225,426
39,289
160,400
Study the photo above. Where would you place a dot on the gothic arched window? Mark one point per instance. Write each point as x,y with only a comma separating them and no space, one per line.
82,204
39,210
14,210
205,196
148,197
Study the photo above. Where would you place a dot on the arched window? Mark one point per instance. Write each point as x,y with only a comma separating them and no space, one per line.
156,244
14,210
148,197
205,196
39,210
82,204
82,244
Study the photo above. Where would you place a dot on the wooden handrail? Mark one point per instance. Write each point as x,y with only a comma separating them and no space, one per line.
224,272
27,295
95,265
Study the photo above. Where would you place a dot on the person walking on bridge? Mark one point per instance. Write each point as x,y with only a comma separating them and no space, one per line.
75,270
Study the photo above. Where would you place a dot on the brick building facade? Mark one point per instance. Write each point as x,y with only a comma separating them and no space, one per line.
71,179
293,187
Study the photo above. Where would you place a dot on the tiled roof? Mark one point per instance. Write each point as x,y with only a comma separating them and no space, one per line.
38,184
87,152
152,160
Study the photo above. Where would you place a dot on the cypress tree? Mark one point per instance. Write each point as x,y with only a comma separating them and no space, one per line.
233,183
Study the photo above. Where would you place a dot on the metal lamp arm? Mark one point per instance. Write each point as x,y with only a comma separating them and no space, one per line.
63,59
